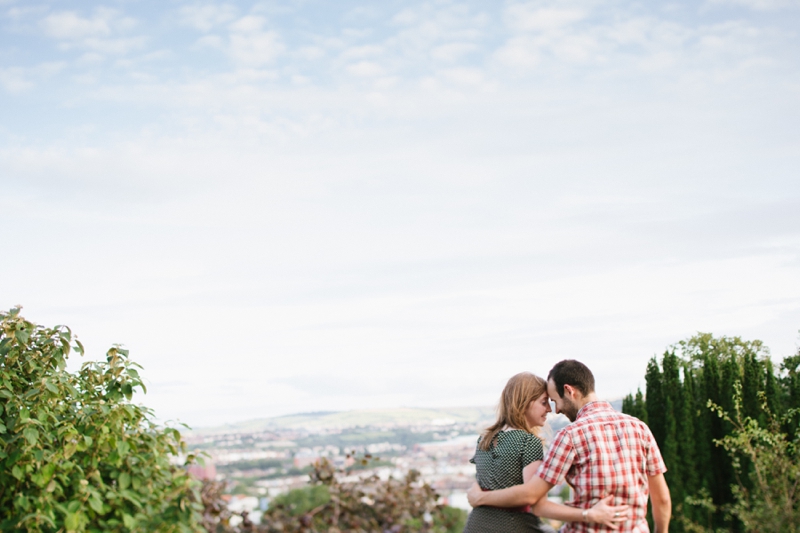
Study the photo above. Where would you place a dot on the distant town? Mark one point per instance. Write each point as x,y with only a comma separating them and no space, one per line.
264,458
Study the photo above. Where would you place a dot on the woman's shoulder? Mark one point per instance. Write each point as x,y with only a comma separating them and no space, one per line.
523,438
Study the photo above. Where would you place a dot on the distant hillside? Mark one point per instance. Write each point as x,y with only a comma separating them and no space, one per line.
405,416
362,417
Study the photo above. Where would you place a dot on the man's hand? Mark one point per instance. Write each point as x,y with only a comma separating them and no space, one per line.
474,495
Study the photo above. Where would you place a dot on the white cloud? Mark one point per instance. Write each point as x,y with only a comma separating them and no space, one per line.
310,53
248,24
528,17
761,5
519,52
250,44
15,80
70,25
20,79
464,76
360,52
206,17
256,48
452,52
120,46
98,33
365,69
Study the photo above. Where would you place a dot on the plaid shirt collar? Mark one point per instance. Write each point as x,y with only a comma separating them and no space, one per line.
593,407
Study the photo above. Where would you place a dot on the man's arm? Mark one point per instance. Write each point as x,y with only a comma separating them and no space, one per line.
661,502
526,494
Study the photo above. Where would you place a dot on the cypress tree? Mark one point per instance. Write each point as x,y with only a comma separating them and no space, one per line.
772,388
672,441
751,385
640,407
686,434
627,405
791,387
791,380
714,480
655,402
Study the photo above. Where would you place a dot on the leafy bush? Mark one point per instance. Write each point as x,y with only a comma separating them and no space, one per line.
368,504
301,501
75,453
767,465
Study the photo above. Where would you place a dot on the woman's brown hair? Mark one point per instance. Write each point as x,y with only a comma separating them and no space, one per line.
519,392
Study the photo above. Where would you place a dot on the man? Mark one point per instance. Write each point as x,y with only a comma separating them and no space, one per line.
602,453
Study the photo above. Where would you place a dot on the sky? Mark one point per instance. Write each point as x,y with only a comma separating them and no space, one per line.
294,206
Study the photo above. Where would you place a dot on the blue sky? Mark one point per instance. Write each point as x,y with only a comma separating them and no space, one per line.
293,206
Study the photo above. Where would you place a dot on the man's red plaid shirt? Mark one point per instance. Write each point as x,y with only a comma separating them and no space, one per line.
604,453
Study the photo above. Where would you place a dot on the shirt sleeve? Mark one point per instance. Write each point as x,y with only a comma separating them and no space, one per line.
558,460
655,462
532,450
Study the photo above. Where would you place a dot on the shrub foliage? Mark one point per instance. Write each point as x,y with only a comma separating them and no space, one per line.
75,453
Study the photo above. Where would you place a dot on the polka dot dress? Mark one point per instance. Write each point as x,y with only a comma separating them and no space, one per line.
500,468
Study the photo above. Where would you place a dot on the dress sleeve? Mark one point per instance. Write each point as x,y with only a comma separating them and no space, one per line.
532,450
560,457
472,460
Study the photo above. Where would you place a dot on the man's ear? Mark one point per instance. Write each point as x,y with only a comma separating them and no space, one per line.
570,391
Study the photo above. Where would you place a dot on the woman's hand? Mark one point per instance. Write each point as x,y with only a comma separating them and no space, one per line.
473,495
610,515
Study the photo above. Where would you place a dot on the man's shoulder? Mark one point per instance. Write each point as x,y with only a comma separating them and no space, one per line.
608,415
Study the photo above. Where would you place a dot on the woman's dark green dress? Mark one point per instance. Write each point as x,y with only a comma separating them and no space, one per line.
500,468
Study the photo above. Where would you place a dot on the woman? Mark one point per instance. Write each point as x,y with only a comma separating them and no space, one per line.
509,453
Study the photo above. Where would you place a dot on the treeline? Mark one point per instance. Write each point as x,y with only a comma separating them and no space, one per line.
696,381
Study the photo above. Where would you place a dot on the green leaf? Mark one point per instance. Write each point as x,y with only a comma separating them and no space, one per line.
52,388
16,471
124,480
129,521
31,435
22,336
78,346
123,448
47,473
96,504
132,372
71,521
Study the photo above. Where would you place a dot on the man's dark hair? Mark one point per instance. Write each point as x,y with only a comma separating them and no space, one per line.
574,373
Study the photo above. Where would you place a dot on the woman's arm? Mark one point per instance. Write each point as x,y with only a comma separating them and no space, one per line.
529,471
602,512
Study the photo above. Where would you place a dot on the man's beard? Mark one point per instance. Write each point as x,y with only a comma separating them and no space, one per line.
569,409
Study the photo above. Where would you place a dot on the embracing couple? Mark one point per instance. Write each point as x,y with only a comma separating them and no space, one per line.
610,460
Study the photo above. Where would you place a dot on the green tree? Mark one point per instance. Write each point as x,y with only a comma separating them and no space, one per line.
75,453
656,415
671,440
